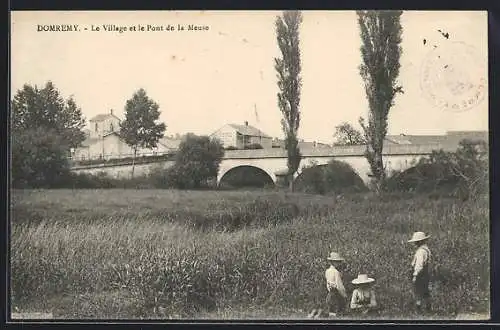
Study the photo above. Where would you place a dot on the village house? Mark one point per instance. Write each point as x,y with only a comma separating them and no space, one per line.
241,136
103,141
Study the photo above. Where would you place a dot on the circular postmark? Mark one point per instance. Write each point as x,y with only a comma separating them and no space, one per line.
453,77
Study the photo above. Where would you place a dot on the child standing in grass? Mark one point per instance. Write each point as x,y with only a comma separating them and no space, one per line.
420,270
337,296
363,297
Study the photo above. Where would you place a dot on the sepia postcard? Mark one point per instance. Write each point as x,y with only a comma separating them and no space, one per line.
249,165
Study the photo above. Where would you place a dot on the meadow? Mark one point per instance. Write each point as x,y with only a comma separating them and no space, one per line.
122,253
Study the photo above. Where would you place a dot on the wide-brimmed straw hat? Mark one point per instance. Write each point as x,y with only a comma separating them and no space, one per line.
363,278
418,236
334,256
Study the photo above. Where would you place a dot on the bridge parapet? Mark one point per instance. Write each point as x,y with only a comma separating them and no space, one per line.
357,150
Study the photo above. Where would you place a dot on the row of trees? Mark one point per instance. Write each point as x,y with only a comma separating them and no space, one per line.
380,49
45,127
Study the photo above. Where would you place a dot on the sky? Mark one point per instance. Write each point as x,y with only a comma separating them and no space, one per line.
204,79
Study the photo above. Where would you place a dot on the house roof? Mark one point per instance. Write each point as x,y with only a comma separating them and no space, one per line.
103,116
249,130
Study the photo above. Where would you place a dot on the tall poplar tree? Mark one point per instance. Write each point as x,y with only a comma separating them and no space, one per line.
288,69
380,50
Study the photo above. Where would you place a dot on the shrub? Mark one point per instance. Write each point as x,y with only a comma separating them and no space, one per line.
334,177
462,173
39,158
197,161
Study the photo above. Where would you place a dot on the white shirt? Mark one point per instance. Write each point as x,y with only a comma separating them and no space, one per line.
422,258
359,296
334,281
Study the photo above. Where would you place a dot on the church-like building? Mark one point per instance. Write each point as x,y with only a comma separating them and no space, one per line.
103,141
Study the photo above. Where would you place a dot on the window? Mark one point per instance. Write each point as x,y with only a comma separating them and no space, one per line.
111,127
96,128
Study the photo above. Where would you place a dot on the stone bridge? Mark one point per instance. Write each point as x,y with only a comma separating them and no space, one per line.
271,161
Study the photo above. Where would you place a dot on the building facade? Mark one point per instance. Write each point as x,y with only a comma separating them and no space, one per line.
241,136
103,124
103,142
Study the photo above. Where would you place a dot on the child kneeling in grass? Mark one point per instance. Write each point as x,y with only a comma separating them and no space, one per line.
363,297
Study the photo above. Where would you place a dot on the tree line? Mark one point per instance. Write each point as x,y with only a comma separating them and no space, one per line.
45,126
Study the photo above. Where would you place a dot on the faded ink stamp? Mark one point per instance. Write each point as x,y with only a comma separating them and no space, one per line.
453,77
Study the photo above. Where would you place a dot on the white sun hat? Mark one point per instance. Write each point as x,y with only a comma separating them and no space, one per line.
418,236
334,256
362,278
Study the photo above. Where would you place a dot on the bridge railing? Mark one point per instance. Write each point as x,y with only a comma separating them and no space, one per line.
356,150
122,159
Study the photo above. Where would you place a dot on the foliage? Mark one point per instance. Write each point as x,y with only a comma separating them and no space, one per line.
44,128
46,109
346,134
39,158
96,254
334,177
288,70
463,172
380,50
140,128
197,161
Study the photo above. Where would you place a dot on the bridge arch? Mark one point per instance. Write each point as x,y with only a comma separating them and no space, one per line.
232,170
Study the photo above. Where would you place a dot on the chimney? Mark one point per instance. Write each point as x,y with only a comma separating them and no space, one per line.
314,143
246,123
111,111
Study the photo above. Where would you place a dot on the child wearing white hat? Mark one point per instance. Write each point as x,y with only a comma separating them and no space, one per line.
363,297
420,270
337,297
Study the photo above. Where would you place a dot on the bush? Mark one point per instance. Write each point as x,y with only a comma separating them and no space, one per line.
39,158
197,161
462,173
335,177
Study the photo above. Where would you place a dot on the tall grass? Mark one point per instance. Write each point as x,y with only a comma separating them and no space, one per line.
147,254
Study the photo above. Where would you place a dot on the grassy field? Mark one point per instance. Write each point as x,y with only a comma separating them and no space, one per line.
207,254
